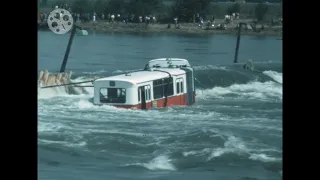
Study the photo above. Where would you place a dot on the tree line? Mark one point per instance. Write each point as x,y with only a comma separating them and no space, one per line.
185,10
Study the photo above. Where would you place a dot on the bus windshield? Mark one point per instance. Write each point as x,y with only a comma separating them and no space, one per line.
112,95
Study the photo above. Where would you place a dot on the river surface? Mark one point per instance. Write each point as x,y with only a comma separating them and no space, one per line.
232,132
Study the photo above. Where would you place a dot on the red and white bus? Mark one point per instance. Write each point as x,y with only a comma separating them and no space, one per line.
164,82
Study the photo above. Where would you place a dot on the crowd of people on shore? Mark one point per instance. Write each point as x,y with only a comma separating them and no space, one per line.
94,17
117,17
132,18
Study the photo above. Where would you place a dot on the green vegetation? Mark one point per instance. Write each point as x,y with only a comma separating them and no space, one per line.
185,10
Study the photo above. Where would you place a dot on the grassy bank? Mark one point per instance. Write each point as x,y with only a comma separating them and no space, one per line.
185,28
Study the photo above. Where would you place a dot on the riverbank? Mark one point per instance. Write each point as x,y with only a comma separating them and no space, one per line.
187,28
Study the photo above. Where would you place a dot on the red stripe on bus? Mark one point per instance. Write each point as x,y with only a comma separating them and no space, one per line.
180,100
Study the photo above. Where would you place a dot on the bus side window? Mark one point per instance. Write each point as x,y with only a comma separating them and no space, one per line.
147,93
181,88
139,92
158,91
178,87
169,87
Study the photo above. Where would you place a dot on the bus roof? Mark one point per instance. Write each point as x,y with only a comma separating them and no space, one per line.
144,76
165,62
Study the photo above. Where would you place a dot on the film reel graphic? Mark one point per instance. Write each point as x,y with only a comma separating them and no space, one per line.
60,21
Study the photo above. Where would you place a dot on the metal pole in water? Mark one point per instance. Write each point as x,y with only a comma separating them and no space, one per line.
238,43
66,55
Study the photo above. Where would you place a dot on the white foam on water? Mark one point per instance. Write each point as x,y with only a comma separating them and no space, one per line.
51,92
232,145
236,146
264,91
60,110
62,134
44,127
60,122
209,67
159,163
96,72
263,158
274,75
114,131
197,153
64,143
85,104
249,123
48,93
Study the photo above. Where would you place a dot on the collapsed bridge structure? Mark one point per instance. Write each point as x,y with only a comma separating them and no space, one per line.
62,78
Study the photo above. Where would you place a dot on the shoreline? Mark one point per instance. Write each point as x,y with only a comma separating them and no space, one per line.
186,29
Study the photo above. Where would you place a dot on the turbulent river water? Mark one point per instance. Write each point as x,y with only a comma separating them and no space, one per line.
233,131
